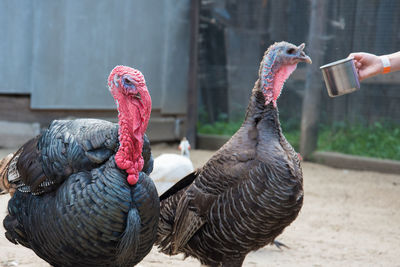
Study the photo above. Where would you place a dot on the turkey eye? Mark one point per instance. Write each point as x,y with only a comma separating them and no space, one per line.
290,51
127,81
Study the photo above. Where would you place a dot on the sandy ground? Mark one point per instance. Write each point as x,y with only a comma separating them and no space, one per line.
349,218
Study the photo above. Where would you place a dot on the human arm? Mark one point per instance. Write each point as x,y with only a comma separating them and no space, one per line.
369,65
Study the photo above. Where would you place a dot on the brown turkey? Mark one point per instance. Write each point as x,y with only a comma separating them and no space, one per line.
250,189
81,191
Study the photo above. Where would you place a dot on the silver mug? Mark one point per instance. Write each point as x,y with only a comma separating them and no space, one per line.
340,77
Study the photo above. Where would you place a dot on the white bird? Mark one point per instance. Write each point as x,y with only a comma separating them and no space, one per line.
184,147
170,168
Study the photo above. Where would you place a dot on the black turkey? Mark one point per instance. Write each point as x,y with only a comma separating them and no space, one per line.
250,189
81,195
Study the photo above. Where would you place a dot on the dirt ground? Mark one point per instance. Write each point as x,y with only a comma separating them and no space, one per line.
349,218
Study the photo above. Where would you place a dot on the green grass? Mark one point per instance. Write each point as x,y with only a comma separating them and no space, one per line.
379,140
219,128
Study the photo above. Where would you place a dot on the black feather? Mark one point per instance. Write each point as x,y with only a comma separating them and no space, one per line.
181,184
73,206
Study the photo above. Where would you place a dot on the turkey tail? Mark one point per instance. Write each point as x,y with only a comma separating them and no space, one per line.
15,233
168,204
4,184
181,184
130,238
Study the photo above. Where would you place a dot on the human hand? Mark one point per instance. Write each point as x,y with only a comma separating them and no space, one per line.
367,65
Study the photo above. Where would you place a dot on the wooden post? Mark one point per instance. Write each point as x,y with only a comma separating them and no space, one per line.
191,111
312,96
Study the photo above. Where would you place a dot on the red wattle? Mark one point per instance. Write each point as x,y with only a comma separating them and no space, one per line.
280,78
133,116
132,179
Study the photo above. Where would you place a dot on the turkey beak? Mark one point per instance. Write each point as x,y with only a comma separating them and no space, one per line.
302,57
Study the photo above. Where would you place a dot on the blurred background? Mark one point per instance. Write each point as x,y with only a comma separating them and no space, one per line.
200,60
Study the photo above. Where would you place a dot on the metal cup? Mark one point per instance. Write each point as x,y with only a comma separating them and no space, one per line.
340,77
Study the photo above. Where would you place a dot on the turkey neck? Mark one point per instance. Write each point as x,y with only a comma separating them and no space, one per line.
132,125
257,110
262,122
266,91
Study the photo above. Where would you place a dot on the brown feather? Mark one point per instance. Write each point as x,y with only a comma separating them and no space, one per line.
243,197
4,184
29,165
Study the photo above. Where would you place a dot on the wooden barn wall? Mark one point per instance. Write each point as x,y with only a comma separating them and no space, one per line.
61,52
245,29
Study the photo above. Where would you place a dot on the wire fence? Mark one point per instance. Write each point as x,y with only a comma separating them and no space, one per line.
234,35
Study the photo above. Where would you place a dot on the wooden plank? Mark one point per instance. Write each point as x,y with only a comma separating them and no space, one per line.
363,40
344,161
341,26
312,96
17,109
15,134
165,129
192,102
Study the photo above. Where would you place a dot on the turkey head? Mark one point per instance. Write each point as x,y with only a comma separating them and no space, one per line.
130,93
279,61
